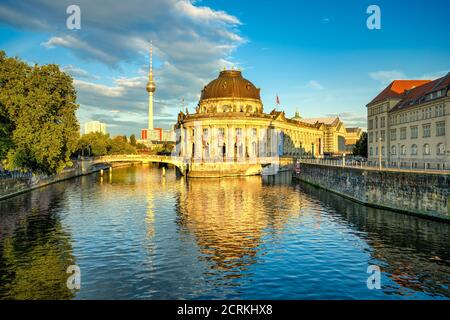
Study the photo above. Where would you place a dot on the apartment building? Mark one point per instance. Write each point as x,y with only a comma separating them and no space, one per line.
408,124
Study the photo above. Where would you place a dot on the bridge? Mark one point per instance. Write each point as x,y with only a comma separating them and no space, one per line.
178,162
201,167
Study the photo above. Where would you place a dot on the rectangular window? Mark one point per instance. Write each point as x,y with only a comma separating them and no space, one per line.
370,136
426,130
393,134
370,124
441,110
414,132
403,133
253,132
383,122
383,135
440,128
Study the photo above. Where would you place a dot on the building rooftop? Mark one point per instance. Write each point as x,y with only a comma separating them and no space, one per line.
353,129
327,121
396,89
230,84
424,93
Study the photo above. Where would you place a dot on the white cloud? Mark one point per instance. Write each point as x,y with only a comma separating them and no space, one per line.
205,13
99,89
76,44
78,72
434,75
387,76
192,42
351,119
315,85
311,85
21,18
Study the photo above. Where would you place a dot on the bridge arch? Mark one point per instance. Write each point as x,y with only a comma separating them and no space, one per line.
175,161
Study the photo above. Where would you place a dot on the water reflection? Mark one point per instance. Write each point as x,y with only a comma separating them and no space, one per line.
139,235
230,217
414,253
35,251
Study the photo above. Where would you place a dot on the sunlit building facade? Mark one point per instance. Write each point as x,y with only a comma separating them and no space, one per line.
95,126
229,127
408,124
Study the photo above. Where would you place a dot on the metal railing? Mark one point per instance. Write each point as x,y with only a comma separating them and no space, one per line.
372,165
6,174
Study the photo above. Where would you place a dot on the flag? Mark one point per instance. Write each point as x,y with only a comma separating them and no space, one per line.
278,100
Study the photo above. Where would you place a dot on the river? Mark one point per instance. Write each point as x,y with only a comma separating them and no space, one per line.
135,234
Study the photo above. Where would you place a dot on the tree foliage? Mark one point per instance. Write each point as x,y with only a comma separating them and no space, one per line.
99,144
133,140
360,148
94,144
119,145
39,129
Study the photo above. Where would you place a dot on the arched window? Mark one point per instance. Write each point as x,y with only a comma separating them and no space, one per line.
414,149
393,150
426,149
403,150
440,149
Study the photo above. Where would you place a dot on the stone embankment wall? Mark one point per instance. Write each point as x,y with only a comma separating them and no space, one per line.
421,193
13,186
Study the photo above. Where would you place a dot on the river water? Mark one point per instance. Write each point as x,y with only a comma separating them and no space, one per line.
138,235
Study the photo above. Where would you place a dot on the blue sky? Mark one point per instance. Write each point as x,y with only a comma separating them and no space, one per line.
318,56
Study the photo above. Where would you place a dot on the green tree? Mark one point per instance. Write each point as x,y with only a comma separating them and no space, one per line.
94,144
360,148
39,130
99,144
119,146
133,140
12,87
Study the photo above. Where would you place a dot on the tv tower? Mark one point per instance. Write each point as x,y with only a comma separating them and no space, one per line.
151,87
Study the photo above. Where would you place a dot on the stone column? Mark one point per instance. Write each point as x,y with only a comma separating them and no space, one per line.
230,142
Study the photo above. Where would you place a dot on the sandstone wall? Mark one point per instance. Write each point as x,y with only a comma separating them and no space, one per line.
415,192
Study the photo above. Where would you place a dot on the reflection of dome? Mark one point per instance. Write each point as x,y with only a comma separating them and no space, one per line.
230,84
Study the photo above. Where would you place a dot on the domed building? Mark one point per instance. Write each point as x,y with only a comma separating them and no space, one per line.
230,135
230,92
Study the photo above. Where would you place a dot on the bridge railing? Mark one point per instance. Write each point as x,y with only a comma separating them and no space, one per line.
181,161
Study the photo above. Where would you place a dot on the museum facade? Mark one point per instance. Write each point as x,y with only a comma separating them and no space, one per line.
229,133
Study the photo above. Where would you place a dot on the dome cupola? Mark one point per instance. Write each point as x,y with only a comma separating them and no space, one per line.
230,92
